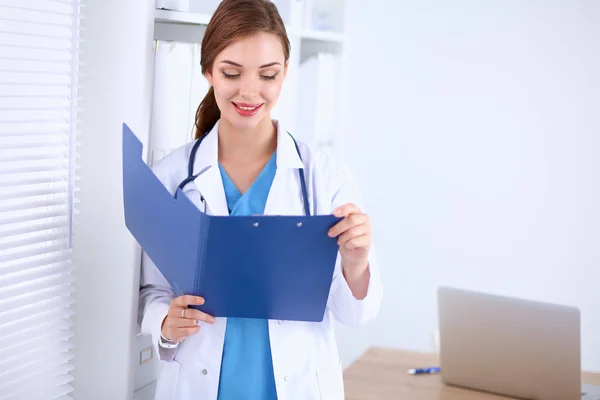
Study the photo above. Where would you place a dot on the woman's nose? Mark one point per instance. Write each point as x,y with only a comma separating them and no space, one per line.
249,87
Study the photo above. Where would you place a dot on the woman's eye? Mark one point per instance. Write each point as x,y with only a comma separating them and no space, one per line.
235,76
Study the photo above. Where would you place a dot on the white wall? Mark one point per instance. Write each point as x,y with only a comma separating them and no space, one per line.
116,58
475,137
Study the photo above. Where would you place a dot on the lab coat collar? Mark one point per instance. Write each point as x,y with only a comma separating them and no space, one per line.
208,153
287,154
209,181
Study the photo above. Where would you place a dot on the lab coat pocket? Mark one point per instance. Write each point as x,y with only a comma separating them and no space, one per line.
331,383
166,386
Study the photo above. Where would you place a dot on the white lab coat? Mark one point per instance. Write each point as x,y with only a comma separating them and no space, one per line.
305,356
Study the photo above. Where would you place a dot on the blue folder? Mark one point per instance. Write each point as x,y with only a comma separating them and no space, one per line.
270,267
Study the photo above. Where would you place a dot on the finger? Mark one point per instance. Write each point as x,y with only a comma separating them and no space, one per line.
184,323
347,223
352,233
358,242
198,315
181,333
345,209
176,333
189,314
179,312
188,300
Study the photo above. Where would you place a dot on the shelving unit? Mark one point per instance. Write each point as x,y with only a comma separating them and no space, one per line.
306,41
178,17
189,18
322,36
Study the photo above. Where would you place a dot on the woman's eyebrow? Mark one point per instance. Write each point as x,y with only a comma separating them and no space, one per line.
239,65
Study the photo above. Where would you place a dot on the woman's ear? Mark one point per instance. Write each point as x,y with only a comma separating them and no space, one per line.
285,69
209,77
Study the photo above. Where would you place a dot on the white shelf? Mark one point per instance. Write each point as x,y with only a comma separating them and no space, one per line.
186,18
178,17
322,36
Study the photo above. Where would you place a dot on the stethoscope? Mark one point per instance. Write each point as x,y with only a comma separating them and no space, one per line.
191,175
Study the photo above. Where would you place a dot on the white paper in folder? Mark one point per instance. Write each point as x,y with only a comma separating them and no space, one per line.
199,88
178,89
317,100
325,98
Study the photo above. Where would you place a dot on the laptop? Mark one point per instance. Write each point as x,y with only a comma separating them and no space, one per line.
512,347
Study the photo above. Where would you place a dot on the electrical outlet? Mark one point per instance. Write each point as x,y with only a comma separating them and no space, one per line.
146,355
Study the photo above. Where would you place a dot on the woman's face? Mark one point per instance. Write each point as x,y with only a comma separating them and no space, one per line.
247,77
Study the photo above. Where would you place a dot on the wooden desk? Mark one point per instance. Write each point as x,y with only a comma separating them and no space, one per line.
380,374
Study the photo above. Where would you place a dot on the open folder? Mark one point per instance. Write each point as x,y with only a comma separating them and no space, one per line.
271,267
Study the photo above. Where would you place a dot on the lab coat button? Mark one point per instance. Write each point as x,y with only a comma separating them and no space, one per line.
204,371
280,322
286,378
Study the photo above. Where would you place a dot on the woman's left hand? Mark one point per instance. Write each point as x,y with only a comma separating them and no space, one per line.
354,238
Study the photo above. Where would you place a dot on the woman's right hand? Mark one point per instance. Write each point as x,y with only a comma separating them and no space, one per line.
182,321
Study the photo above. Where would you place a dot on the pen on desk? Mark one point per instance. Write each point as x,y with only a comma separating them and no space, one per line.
419,371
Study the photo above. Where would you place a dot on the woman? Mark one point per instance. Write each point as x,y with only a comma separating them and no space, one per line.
248,164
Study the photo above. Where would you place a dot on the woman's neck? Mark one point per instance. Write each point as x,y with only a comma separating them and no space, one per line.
247,146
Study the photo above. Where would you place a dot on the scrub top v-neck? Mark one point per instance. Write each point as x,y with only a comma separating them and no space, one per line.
247,365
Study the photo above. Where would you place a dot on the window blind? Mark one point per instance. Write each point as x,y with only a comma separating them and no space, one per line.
39,57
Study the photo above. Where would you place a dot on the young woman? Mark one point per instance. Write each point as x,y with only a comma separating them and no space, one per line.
246,163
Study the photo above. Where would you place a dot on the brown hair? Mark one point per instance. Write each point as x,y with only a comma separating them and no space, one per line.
232,20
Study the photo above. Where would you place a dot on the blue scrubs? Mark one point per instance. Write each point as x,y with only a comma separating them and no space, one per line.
247,366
